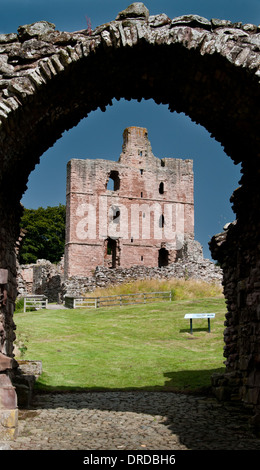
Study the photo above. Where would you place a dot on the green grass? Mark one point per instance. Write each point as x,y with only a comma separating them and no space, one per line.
145,347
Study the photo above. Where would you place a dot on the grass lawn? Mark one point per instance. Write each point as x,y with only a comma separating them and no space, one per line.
145,347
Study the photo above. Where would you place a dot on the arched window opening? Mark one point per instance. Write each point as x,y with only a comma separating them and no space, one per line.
90,93
161,188
113,183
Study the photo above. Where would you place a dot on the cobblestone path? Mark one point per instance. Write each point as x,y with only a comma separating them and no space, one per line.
131,421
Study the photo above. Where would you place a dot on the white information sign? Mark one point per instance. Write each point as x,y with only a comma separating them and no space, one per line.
200,315
194,316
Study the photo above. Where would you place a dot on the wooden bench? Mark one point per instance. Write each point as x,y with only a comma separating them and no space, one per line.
192,316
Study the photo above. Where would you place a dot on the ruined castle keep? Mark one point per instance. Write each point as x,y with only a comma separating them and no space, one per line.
137,211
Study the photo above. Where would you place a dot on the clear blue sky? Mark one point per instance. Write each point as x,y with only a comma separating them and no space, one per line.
100,135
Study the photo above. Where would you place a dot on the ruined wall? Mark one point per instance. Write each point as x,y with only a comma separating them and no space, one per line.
48,279
8,365
41,278
149,208
191,265
239,259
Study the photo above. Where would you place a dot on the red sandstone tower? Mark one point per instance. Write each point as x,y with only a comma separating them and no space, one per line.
137,211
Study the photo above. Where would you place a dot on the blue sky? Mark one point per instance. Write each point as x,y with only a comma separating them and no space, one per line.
170,134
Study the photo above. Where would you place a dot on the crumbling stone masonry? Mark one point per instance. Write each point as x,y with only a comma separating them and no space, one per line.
41,278
191,266
48,279
143,219
207,69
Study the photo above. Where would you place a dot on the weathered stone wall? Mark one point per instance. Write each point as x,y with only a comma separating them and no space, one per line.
150,207
203,269
239,259
42,278
8,365
208,69
48,279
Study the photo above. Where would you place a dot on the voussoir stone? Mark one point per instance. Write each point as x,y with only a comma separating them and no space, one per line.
136,10
159,20
37,29
220,23
7,38
192,20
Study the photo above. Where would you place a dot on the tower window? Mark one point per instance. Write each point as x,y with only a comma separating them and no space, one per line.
116,214
161,188
113,183
161,221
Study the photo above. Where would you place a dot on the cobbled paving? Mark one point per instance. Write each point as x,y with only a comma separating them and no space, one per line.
131,421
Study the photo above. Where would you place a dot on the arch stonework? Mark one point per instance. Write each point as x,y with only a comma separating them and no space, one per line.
208,69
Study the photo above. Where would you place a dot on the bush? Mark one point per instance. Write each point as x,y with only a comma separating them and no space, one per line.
19,304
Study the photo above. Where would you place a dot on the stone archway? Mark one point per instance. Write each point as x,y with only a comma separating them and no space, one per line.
208,69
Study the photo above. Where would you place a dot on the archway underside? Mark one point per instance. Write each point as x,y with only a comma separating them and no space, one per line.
209,70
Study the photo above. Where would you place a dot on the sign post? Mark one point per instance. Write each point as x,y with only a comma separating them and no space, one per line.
192,316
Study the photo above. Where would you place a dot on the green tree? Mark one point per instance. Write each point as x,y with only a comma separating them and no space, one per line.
45,234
